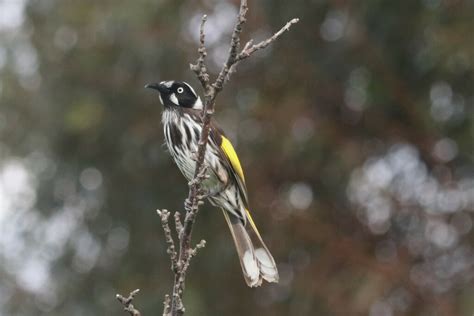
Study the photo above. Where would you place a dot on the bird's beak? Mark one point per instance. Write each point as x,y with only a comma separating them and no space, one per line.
158,86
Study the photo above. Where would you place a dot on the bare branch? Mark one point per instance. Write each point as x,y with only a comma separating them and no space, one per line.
164,215
178,223
180,259
234,48
200,245
200,176
249,48
173,305
127,303
167,305
200,67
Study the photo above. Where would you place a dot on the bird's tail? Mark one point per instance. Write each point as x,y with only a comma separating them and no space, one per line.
256,261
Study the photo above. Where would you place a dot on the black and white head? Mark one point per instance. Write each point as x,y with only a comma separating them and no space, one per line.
176,94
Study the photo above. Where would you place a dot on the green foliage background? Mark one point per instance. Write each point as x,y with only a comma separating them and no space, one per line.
355,131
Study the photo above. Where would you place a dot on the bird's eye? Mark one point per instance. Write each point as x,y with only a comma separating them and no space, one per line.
180,90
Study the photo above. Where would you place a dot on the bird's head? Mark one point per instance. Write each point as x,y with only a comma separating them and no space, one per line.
176,94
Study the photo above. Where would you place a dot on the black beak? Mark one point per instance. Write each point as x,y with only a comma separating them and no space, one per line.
158,86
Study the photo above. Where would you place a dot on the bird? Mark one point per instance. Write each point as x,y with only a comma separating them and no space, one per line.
224,185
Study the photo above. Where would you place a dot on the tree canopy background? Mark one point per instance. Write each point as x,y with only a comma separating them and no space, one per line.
355,130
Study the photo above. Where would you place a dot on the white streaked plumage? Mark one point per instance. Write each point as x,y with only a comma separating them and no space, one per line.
183,156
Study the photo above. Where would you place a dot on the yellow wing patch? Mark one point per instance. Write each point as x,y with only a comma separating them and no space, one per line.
229,150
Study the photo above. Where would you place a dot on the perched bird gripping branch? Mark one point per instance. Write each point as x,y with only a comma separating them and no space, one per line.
224,185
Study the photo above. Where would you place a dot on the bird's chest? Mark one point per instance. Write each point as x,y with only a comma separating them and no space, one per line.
181,143
182,135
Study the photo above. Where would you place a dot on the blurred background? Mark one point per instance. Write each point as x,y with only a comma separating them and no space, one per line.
355,130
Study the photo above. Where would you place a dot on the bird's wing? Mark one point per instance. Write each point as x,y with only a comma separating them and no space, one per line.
231,159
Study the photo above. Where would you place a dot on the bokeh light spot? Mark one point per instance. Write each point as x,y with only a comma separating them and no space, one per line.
300,195
91,179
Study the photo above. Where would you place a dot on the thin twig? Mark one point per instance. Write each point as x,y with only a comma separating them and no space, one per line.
200,67
234,48
200,245
249,48
178,223
167,305
127,303
164,215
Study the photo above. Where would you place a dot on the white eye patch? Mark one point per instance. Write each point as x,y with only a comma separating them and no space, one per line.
180,90
174,99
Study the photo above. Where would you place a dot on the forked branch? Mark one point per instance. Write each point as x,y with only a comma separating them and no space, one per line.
127,303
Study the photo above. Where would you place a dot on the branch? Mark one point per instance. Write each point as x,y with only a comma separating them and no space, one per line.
200,245
167,305
173,305
180,259
234,48
200,67
164,215
127,303
178,223
249,48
